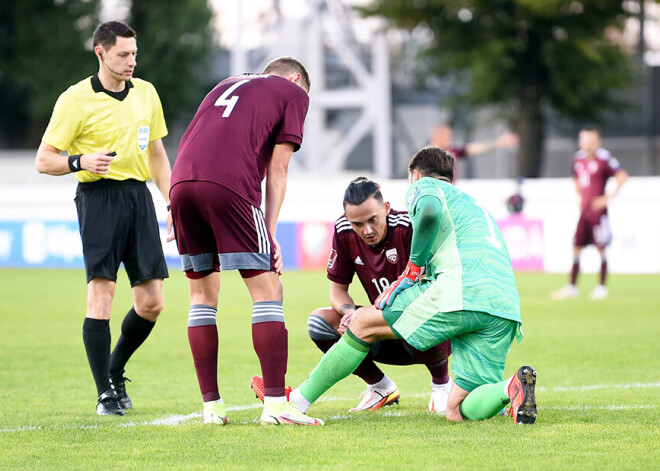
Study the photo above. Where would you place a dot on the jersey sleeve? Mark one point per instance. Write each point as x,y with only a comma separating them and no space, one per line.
340,268
294,121
613,166
158,126
65,123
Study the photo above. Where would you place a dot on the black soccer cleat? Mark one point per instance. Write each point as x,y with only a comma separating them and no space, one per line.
118,383
108,404
523,397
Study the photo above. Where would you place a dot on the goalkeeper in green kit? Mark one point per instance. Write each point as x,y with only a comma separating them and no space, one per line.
458,285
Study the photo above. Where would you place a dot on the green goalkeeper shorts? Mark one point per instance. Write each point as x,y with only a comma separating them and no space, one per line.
480,342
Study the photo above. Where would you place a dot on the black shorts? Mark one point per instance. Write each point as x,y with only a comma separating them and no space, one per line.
118,224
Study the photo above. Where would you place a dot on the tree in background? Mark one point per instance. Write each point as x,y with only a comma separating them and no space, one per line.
176,46
42,52
45,46
530,57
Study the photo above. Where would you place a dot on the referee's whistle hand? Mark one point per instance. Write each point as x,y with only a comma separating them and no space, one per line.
98,162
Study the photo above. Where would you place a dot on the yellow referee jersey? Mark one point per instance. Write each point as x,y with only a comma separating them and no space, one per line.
87,119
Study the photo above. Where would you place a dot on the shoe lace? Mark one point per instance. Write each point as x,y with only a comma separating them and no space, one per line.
119,384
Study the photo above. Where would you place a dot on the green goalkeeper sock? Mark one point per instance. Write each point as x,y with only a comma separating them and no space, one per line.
484,402
338,362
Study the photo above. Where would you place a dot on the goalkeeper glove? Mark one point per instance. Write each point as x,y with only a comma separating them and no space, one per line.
410,276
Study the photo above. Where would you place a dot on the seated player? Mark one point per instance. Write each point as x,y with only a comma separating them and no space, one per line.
458,285
373,241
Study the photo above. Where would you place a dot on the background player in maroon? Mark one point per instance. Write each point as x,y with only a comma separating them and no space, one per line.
245,130
373,241
592,167
443,136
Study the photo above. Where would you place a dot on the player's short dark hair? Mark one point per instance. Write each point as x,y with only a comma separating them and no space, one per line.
433,162
591,128
360,190
106,33
287,65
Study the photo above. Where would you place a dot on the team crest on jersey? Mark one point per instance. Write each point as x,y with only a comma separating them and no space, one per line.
392,256
143,137
332,258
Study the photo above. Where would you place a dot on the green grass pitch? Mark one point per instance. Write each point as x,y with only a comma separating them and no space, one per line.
598,366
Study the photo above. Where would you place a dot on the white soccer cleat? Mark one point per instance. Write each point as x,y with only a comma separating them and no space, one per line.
599,292
373,398
439,398
567,292
215,413
285,413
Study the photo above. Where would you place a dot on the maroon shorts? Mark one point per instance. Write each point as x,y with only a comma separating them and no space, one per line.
216,229
592,230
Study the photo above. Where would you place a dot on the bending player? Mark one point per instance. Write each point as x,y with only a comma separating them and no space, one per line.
373,241
458,285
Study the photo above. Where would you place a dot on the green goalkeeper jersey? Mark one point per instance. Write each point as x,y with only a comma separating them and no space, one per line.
468,259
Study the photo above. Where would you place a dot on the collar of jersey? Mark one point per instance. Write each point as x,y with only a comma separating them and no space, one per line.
98,87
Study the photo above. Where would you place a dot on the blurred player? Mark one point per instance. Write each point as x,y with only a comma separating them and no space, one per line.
373,241
247,128
458,285
111,125
592,167
443,136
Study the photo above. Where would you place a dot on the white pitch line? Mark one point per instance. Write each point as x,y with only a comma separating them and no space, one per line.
178,419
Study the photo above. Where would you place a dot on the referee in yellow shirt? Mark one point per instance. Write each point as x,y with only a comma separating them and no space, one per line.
112,127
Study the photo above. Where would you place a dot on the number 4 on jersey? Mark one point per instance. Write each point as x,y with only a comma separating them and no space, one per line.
224,100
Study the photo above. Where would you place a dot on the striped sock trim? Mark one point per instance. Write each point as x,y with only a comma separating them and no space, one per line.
320,329
267,311
355,342
201,314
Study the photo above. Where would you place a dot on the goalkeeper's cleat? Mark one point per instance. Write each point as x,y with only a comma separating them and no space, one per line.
108,404
599,292
118,383
257,385
522,395
286,413
373,399
567,292
439,398
215,413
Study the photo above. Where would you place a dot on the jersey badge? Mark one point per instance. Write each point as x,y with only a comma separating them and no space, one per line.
332,258
392,256
358,261
143,137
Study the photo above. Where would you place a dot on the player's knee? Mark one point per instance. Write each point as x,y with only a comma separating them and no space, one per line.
366,323
151,308
319,328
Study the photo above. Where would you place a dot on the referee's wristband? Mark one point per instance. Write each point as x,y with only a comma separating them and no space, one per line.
74,162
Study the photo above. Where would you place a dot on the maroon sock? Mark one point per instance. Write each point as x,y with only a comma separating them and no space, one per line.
575,270
603,271
270,340
435,360
204,346
203,339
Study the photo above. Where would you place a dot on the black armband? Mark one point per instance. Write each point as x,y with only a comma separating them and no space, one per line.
74,162
169,206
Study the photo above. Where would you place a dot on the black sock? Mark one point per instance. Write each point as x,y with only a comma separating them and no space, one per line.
134,331
96,337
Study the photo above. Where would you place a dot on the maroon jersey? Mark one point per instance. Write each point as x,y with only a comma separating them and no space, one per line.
230,140
592,174
376,267
459,153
